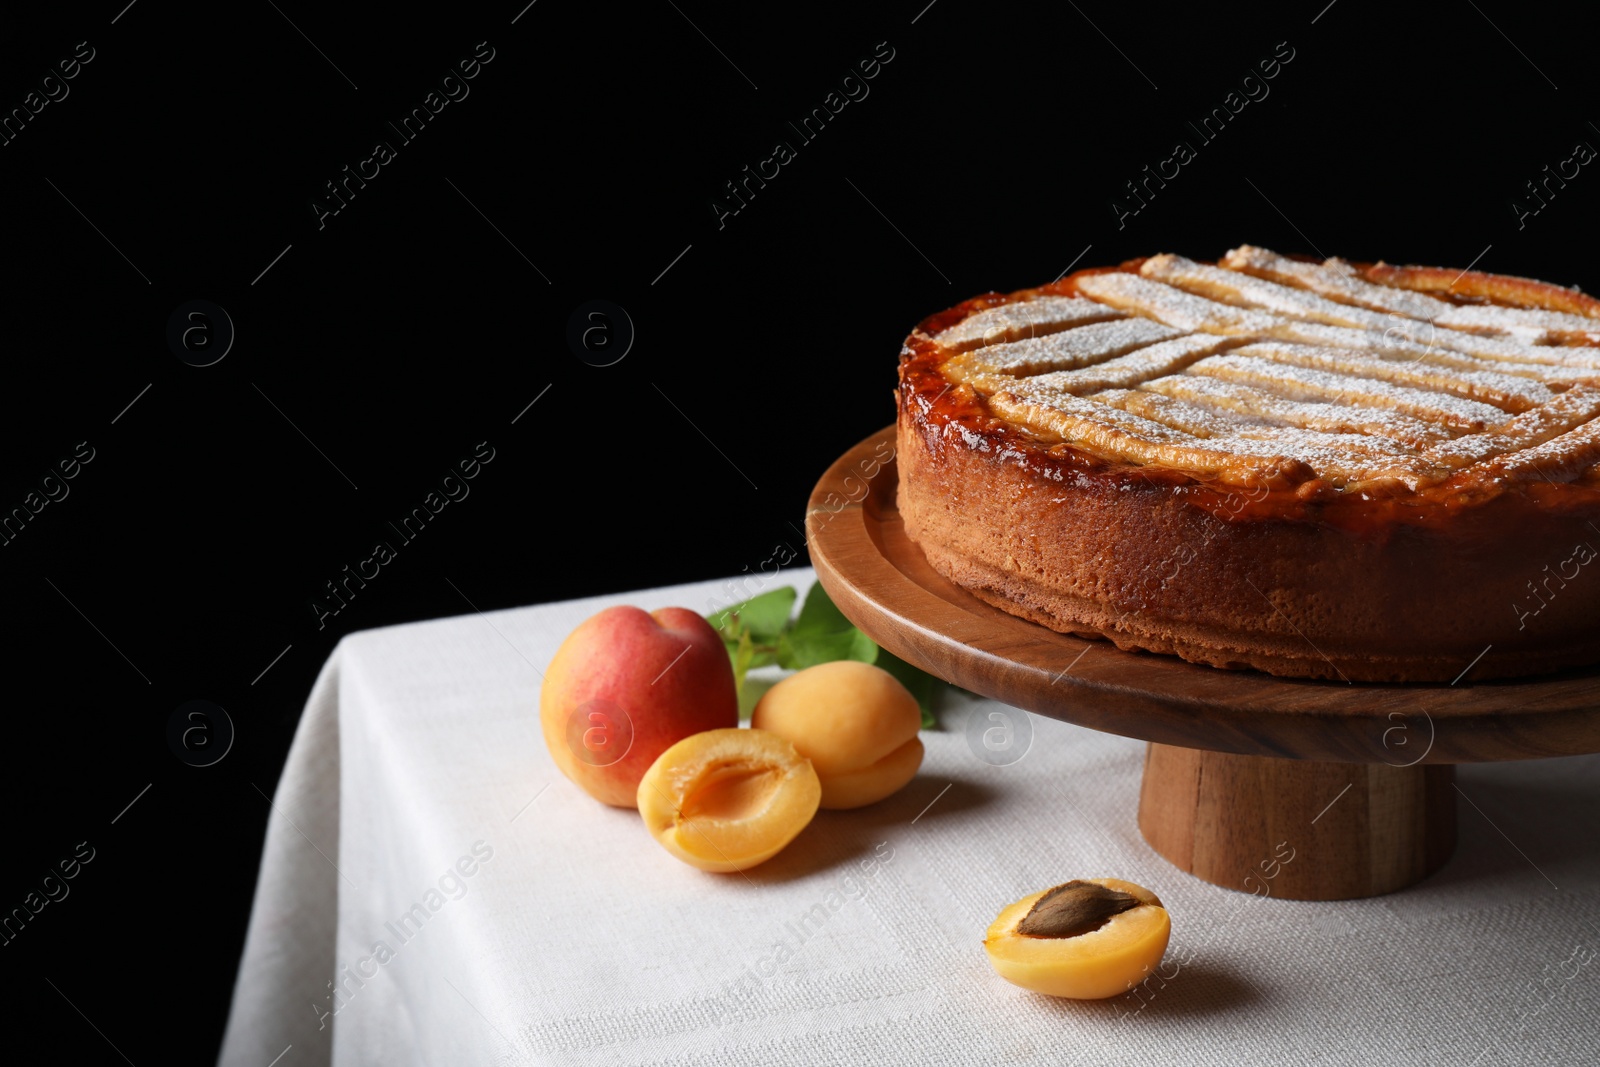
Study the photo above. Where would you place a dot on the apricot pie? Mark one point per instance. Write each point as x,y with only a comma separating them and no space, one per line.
1316,469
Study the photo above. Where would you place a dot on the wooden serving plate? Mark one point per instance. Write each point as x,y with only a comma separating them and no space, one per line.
1357,779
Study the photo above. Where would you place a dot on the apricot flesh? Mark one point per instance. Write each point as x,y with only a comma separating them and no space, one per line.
856,724
1110,958
726,800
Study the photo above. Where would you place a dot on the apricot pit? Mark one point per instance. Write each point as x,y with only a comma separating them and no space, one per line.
1086,939
726,800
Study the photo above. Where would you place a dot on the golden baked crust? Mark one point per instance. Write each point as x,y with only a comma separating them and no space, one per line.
1328,470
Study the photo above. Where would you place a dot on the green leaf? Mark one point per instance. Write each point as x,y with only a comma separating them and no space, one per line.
822,634
920,683
797,652
757,633
762,617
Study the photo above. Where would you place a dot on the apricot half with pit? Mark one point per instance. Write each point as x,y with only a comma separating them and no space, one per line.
856,724
1087,939
726,800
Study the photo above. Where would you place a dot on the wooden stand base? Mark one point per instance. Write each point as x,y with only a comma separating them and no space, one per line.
1298,829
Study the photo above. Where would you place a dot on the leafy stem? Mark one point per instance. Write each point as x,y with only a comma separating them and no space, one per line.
759,632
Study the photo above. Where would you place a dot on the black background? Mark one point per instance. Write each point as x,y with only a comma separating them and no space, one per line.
383,347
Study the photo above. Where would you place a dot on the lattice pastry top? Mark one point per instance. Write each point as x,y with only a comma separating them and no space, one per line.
1265,369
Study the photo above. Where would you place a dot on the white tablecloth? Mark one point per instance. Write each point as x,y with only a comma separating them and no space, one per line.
474,907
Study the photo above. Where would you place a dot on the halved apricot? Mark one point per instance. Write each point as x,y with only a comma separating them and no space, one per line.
1086,939
725,800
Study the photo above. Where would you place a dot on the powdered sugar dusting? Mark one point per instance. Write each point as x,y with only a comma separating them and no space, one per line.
1171,305
1070,349
1335,279
1247,401
1192,419
1534,325
1248,291
1217,447
1025,318
1269,368
1490,387
1122,372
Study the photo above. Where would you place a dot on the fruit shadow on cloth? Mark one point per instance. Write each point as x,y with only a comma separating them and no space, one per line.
836,838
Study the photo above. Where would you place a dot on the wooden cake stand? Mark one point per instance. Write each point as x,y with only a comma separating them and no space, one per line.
1354,784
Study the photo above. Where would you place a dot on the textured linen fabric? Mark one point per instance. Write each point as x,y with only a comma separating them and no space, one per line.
472,906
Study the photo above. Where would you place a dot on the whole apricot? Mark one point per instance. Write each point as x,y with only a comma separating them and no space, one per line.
626,685
1087,939
856,724
726,800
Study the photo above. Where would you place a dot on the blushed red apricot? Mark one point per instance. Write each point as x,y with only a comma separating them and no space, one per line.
624,686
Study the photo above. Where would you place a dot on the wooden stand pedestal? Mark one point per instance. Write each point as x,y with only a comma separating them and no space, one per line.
1299,829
